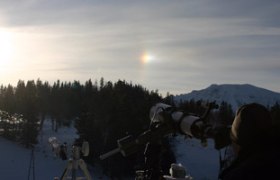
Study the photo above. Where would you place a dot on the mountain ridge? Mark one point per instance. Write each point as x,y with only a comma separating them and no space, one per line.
234,94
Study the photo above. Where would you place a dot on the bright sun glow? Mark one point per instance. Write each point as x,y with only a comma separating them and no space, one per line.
147,58
6,49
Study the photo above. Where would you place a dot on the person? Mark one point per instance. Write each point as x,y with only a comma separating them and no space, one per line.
256,145
63,151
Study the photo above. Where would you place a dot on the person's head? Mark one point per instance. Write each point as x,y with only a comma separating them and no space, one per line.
252,124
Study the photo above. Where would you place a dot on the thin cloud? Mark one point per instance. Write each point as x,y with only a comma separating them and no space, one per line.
197,43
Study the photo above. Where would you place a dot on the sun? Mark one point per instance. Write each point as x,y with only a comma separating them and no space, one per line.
147,58
6,49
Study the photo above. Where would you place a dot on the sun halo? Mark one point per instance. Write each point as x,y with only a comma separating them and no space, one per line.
147,58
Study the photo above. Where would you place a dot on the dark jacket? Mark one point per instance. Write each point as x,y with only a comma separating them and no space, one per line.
261,163
258,139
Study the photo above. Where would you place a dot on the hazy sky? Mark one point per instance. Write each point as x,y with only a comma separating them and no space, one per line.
171,45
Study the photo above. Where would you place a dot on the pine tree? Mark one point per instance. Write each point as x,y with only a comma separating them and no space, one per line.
226,114
30,113
275,114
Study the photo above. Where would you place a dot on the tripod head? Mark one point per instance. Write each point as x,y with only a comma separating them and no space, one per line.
60,149
78,148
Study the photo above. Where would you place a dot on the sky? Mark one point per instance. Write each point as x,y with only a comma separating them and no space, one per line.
173,46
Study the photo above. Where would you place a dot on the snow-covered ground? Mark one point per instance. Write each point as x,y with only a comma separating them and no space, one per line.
15,159
201,162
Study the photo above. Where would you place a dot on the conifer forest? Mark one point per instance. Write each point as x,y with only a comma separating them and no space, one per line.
101,111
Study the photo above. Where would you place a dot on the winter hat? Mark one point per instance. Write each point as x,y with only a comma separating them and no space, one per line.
252,124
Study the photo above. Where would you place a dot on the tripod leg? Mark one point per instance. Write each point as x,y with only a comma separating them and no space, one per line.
83,167
67,170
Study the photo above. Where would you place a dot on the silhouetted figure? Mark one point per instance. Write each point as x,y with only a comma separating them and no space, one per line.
63,151
256,145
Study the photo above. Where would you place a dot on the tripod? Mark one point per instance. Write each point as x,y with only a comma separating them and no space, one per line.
75,164
152,168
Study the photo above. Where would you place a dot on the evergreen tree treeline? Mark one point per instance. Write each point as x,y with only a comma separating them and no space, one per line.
103,112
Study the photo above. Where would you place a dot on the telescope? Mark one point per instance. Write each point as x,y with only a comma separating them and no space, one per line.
166,120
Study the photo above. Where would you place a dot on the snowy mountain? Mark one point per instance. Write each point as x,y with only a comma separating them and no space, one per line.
234,94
